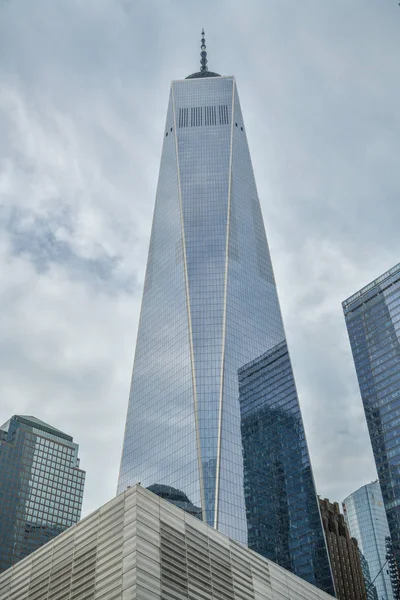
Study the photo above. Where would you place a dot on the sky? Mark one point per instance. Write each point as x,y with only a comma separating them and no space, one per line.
84,88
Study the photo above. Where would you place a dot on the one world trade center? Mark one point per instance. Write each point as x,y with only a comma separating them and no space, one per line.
213,409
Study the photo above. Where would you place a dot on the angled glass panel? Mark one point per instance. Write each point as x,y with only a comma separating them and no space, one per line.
160,444
204,161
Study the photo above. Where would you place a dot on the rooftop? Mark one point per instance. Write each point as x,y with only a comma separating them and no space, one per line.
378,281
37,424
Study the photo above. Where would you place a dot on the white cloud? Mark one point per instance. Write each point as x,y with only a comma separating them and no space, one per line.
84,89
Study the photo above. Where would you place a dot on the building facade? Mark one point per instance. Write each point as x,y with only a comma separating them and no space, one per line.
344,554
393,569
371,593
373,323
141,547
41,486
366,518
278,481
209,308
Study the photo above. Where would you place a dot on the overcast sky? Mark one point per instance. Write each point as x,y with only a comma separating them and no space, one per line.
84,87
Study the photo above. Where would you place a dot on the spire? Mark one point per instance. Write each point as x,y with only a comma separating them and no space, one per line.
204,72
203,53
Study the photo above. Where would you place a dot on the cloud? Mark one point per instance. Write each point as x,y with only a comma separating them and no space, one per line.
84,90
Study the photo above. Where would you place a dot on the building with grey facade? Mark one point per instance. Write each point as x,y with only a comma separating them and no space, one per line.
41,486
210,314
141,547
373,323
366,519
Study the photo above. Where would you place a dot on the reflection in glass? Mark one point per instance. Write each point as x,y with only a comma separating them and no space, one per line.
280,500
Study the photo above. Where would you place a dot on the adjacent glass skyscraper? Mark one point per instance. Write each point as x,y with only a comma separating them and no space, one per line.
210,314
366,519
373,323
41,486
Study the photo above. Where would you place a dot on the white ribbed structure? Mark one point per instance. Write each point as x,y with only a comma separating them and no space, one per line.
140,547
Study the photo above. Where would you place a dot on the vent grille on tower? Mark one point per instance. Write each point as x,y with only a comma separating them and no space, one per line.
197,116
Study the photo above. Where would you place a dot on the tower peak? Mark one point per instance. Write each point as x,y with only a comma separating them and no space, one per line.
204,72
203,53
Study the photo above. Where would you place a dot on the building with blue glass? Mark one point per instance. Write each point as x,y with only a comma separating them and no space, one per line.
41,486
366,519
210,310
373,324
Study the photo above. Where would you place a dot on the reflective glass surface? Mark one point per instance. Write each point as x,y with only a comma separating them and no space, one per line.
280,499
209,308
366,519
373,324
41,486
372,594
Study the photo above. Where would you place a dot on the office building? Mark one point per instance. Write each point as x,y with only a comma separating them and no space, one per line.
366,518
210,308
41,486
141,547
344,554
373,323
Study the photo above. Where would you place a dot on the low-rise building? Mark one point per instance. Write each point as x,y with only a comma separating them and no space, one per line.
141,547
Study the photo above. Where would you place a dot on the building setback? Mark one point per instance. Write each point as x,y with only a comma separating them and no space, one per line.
373,324
141,547
41,486
210,307
343,552
366,519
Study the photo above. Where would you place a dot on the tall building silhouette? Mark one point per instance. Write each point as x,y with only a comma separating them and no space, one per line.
373,323
209,309
41,486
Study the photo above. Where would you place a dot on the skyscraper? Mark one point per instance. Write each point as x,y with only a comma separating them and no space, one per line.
373,324
366,518
41,486
210,309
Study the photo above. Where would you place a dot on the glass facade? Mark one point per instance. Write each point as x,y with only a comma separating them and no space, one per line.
210,307
373,323
372,594
41,486
366,519
279,489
